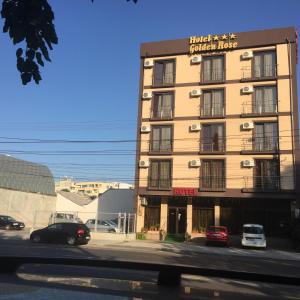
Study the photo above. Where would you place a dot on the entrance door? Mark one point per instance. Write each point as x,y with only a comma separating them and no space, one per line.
177,220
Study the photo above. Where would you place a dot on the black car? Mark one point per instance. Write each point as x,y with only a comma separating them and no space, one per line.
70,233
8,223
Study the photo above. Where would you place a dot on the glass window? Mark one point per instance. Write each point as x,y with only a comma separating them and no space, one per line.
160,174
161,138
162,106
265,100
213,103
164,72
213,174
264,64
266,136
212,138
152,217
267,174
213,68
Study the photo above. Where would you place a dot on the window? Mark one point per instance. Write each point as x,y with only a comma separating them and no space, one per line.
213,68
264,64
212,138
213,175
152,217
265,137
161,140
55,227
265,100
202,218
164,72
266,174
213,103
160,174
162,107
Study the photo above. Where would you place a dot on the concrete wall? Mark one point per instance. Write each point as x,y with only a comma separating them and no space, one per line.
117,201
27,207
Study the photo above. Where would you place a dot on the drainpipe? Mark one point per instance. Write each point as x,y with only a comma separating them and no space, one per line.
292,109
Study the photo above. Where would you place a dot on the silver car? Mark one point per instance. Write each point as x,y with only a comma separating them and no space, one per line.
102,226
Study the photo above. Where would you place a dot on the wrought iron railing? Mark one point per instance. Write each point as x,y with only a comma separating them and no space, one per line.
266,71
262,183
264,108
260,144
165,113
159,184
166,79
213,75
211,112
212,183
212,145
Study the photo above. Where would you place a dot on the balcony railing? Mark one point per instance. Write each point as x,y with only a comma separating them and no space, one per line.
165,113
260,109
260,144
166,79
262,183
259,72
217,145
159,184
212,183
161,147
212,112
213,75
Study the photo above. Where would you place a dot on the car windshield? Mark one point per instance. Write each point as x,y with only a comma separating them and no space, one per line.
159,131
216,229
253,229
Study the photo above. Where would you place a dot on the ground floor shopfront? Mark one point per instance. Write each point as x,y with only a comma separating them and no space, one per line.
192,215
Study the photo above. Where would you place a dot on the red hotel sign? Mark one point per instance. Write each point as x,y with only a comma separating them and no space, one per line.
184,192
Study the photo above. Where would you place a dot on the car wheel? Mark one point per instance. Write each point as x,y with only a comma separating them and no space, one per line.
71,240
36,238
7,227
111,231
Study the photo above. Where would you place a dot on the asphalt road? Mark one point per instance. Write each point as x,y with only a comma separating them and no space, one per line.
190,258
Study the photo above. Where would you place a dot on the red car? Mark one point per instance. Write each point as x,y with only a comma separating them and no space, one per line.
217,234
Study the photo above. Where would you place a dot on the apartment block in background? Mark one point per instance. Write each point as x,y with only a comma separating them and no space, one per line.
218,132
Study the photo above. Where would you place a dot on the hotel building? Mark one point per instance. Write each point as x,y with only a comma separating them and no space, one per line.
218,132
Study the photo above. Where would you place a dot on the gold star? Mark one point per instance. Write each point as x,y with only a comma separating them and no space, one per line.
232,36
216,38
224,37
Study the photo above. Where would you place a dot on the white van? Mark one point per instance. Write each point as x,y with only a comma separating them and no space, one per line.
253,236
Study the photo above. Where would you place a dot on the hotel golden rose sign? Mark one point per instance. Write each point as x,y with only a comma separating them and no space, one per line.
212,43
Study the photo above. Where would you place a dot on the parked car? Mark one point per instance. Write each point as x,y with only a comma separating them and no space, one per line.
102,226
64,218
8,223
70,233
253,236
218,235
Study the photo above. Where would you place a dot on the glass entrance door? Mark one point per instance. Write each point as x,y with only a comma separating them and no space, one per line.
177,220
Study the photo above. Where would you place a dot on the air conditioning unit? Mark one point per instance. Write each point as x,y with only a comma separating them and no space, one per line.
196,59
144,163
195,127
147,95
247,54
248,125
195,163
195,93
247,89
148,63
145,128
144,201
248,163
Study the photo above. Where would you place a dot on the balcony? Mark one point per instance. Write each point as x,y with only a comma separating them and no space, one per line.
213,76
260,145
167,79
164,114
212,183
264,109
161,147
159,184
212,112
261,184
212,146
256,73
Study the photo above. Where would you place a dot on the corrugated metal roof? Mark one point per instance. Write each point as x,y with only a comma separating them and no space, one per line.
25,176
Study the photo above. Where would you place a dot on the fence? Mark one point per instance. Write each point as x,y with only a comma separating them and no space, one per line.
97,222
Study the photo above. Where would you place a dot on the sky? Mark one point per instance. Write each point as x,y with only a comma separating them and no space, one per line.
90,89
